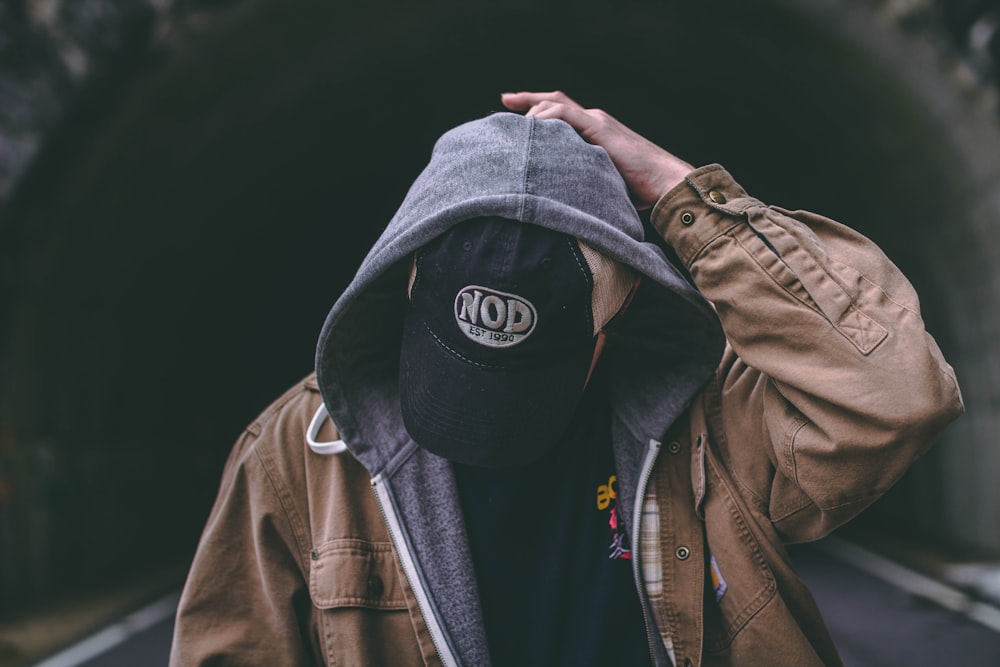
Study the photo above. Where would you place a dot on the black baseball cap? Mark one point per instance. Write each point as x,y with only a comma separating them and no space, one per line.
498,338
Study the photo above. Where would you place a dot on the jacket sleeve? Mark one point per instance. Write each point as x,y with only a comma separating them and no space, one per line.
830,386
245,601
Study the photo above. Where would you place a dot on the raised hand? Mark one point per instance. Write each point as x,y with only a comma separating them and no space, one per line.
649,171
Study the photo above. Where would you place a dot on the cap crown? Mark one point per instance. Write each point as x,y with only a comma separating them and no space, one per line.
504,294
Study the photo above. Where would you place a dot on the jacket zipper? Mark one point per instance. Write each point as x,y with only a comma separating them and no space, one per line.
410,571
647,471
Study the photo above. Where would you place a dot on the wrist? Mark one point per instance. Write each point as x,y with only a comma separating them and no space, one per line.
673,171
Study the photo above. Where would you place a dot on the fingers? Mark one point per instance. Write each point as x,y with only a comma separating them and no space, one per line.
524,100
544,105
551,105
580,119
558,105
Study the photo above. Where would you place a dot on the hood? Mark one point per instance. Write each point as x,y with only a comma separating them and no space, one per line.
660,352
538,172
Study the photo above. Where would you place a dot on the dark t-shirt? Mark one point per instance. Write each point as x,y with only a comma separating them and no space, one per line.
552,561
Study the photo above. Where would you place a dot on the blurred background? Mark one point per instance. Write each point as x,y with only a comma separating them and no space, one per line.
187,185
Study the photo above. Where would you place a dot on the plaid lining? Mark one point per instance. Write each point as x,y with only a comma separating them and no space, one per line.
649,545
650,557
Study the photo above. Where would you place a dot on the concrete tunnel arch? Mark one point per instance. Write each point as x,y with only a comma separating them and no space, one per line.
175,248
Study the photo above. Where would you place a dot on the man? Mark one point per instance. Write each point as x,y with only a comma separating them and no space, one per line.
532,439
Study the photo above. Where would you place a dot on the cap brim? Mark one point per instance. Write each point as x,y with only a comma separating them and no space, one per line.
486,417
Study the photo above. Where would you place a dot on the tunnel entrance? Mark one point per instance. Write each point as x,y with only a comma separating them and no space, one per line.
173,255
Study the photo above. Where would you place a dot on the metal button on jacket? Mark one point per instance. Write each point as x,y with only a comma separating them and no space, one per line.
682,552
687,217
717,196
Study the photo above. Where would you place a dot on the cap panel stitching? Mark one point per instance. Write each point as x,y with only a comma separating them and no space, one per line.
459,354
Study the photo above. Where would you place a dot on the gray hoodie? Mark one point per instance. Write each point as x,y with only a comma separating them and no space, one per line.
662,351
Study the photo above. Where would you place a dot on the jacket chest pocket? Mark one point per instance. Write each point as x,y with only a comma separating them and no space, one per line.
361,609
738,581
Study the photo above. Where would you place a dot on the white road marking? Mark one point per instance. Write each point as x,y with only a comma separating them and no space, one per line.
921,585
114,634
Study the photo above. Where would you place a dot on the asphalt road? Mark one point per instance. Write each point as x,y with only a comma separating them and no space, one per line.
874,623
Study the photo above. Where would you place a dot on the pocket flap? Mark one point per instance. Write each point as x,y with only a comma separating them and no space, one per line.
355,573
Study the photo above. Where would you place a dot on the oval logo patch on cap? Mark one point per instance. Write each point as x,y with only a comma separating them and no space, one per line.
492,318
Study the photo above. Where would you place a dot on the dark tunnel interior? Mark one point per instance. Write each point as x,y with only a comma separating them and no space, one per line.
171,256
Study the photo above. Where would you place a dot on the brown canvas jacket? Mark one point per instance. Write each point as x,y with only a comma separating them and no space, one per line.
828,390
